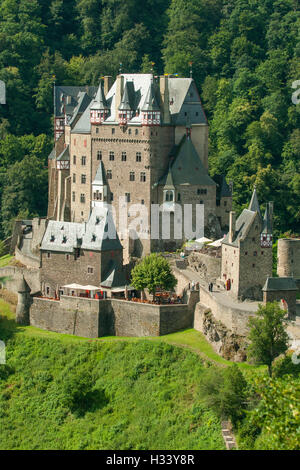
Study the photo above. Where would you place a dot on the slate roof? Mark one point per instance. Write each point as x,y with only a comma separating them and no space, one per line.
100,177
98,234
267,222
141,92
100,101
83,101
115,277
254,204
279,283
187,167
65,155
151,102
83,125
61,94
225,188
243,224
52,154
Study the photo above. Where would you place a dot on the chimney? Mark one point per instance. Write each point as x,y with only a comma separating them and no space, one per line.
119,94
232,219
107,84
165,100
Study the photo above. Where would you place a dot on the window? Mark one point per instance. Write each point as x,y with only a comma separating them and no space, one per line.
109,174
131,176
255,253
143,177
83,161
138,156
74,178
73,196
90,270
142,202
99,155
225,203
48,290
83,179
178,197
201,202
111,156
253,265
82,198
97,196
74,159
48,255
201,191
97,130
113,130
136,132
129,131
246,253
124,157
127,197
111,196
67,257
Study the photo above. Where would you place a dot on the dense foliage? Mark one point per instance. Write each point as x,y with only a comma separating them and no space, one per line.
245,58
91,395
268,337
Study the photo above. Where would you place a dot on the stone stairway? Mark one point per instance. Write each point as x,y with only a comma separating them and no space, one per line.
228,435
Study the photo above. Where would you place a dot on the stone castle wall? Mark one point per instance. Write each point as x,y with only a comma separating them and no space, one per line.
111,317
14,274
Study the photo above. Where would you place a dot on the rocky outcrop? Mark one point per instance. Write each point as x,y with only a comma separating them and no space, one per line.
226,343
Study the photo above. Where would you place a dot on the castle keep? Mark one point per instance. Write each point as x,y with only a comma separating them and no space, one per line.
143,139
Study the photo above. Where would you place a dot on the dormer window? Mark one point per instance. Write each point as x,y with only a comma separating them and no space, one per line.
64,240
93,237
52,238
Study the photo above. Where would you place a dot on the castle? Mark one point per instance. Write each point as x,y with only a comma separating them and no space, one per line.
144,139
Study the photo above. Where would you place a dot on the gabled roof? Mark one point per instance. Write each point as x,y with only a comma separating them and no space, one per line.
98,234
242,227
279,283
100,177
68,97
254,204
65,155
184,101
187,167
83,101
151,103
100,101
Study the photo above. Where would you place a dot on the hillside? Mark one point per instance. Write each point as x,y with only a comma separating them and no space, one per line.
56,394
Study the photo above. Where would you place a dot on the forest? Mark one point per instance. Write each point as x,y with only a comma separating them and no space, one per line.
245,56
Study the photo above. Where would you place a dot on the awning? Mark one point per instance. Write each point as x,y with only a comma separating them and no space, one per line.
79,287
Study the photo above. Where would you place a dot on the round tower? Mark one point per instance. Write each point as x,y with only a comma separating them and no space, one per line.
24,302
288,257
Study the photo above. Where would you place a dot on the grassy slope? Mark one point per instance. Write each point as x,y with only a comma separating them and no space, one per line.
147,391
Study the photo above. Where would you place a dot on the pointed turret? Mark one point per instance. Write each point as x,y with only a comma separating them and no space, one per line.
99,107
99,187
126,106
151,115
254,204
267,231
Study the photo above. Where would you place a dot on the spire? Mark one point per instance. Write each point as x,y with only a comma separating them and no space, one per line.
125,103
225,188
100,178
100,101
254,204
169,181
151,101
267,223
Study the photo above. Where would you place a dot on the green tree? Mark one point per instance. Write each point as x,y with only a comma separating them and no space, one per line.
225,391
153,272
267,335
